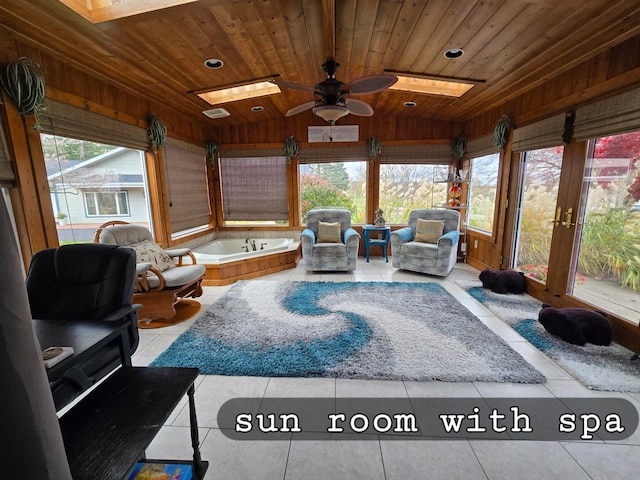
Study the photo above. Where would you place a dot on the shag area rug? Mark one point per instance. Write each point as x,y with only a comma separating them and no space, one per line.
367,330
607,368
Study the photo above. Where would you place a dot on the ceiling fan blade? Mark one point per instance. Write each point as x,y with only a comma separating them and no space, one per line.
301,108
358,107
370,84
297,86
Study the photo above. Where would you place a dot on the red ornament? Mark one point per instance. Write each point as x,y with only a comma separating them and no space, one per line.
455,191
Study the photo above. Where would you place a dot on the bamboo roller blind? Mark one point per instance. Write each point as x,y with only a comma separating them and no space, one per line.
254,188
543,134
187,185
610,116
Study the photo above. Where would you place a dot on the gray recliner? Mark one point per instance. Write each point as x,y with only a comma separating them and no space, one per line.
436,258
329,256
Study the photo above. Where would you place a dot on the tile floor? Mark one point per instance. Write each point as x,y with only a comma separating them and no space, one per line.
379,458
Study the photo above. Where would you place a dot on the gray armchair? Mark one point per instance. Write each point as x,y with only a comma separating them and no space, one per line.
436,256
322,253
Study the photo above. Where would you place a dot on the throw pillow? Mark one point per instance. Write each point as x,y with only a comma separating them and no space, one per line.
329,232
149,251
429,231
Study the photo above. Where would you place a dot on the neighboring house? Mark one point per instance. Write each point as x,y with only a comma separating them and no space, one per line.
110,186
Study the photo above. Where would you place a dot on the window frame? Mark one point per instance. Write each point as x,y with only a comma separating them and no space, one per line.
473,173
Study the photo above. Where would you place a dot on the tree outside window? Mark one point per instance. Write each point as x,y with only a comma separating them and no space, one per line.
405,187
339,184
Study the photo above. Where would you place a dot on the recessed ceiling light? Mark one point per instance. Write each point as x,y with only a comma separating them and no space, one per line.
409,104
257,108
454,53
213,63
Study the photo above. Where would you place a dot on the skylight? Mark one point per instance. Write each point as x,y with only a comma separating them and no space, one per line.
97,11
241,92
431,86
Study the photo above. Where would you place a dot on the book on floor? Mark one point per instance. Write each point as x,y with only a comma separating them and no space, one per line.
161,471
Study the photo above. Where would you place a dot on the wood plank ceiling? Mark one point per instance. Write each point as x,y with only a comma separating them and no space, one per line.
511,45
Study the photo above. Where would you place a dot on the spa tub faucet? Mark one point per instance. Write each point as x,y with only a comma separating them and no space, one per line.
252,243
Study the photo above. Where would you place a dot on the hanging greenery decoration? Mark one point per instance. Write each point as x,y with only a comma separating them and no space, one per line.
211,149
23,81
291,148
458,146
374,147
501,131
156,132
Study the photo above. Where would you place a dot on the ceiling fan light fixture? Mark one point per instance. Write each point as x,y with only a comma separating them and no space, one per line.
331,113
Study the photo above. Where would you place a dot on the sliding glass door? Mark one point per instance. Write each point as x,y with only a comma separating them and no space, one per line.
537,207
606,260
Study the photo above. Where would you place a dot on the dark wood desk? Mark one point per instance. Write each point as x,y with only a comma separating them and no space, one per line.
86,338
107,432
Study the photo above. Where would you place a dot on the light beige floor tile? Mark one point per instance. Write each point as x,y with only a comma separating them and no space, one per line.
536,358
607,462
301,387
353,388
488,389
214,391
429,460
524,460
174,443
244,459
441,389
334,459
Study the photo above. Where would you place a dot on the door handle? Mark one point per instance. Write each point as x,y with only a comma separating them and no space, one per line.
556,222
567,223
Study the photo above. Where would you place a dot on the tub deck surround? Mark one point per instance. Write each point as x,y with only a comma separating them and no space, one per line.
227,261
229,249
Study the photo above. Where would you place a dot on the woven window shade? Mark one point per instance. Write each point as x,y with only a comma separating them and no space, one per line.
7,177
248,153
543,134
254,188
481,146
73,122
188,188
332,154
610,116
437,154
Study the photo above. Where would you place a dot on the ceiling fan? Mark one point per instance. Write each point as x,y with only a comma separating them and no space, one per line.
332,100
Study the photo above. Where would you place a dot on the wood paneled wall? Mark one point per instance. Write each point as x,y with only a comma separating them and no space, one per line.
67,83
386,129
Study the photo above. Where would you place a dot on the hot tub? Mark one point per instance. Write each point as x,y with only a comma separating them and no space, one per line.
233,249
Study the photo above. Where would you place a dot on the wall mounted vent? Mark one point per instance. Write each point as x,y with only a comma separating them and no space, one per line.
216,113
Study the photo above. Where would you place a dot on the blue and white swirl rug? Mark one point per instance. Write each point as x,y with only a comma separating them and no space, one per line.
368,330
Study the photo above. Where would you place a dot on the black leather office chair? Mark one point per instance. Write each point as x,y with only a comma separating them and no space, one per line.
85,283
